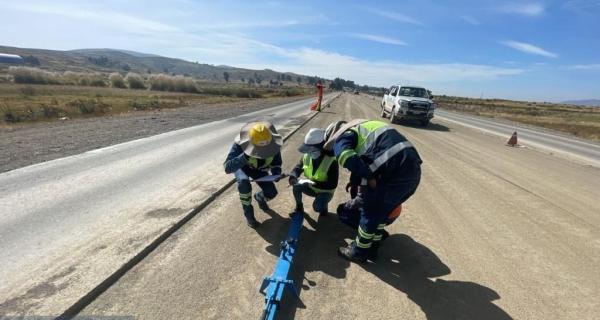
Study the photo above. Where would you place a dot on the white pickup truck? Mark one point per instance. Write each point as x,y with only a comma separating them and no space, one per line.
408,102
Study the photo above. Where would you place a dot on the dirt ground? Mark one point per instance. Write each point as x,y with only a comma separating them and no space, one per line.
26,144
492,233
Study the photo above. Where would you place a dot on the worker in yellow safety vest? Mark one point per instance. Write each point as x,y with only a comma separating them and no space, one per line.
321,170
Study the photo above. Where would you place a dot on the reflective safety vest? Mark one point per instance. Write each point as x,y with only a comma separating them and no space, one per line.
253,162
321,174
368,132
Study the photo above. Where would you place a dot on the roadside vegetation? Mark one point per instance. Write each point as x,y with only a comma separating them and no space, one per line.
31,94
580,121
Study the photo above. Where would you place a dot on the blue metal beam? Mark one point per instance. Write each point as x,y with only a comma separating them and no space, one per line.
274,286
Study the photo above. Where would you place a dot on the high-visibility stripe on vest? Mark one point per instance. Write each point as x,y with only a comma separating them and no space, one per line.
320,175
368,132
253,162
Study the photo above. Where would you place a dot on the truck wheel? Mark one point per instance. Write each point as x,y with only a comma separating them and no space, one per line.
382,111
393,118
424,123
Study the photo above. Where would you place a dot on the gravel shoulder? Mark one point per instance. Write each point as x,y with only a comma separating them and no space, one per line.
29,144
492,233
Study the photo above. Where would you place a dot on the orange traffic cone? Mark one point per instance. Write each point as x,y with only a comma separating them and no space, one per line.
513,140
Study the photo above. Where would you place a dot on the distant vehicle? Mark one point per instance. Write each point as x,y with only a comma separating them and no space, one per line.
408,102
356,92
10,58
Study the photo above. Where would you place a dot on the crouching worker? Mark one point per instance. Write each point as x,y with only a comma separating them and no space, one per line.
254,153
321,170
349,214
387,167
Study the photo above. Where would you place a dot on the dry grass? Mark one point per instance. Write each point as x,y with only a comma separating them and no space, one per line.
28,103
583,122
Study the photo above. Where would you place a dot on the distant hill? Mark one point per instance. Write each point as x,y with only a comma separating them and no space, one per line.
113,60
587,102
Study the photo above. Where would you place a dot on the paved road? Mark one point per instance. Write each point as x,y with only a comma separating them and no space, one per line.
67,224
492,233
583,150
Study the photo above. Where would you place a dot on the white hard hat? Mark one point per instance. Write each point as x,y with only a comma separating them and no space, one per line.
314,139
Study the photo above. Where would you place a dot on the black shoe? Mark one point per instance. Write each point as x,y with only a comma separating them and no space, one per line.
262,204
373,252
384,235
346,252
252,223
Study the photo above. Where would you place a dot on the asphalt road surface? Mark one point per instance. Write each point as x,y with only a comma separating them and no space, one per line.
67,224
579,149
493,232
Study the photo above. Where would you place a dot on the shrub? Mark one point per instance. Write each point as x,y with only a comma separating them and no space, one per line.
27,91
96,80
50,111
116,80
163,82
135,81
145,103
84,79
33,75
88,106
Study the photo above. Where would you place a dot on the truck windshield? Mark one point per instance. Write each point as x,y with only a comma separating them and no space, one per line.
413,92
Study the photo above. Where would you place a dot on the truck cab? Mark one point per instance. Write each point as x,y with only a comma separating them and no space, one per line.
408,102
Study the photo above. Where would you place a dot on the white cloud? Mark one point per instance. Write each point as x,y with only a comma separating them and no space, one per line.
529,48
469,19
124,21
396,16
591,67
218,47
382,73
380,39
531,9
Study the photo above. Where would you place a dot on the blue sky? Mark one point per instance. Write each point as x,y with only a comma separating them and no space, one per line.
532,50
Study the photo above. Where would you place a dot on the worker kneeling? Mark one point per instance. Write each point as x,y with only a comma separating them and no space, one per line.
385,164
320,169
349,213
255,152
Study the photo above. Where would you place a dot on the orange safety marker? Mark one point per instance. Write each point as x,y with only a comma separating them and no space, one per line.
513,140
317,105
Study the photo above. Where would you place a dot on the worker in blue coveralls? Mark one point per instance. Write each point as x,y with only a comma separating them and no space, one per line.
320,169
385,164
255,152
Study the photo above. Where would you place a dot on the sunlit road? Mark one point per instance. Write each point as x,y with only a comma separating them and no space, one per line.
68,223
493,232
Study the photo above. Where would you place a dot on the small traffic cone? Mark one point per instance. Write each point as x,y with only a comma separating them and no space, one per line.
513,140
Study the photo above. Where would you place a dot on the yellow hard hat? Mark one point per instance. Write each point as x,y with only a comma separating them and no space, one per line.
260,135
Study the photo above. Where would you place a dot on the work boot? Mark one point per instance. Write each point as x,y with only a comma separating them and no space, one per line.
262,203
349,254
373,251
384,235
252,223
249,214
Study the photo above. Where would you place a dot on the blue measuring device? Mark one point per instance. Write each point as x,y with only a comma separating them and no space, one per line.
274,286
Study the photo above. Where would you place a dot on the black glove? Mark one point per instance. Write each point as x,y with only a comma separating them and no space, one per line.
352,189
292,180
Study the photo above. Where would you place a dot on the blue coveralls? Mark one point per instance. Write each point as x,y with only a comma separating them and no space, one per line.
397,179
244,168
